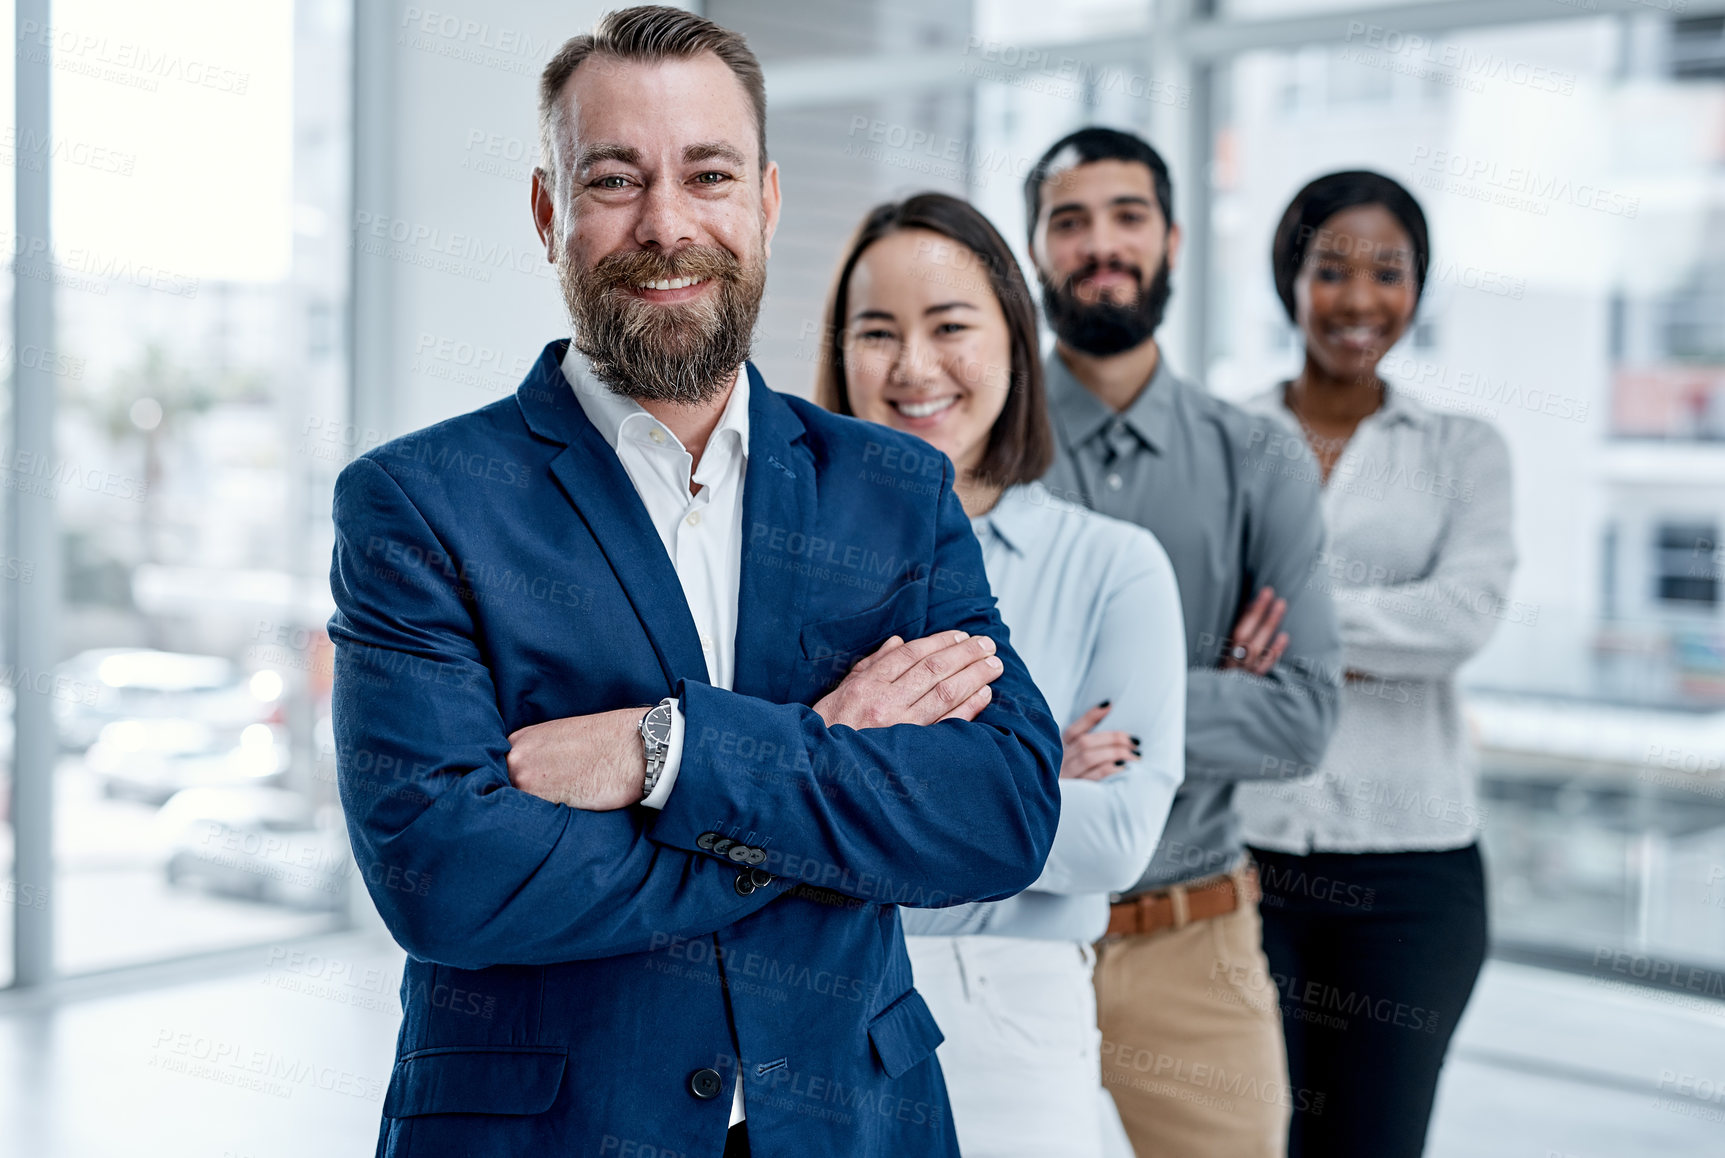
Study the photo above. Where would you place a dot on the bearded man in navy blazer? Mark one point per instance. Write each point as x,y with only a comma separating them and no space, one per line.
657,692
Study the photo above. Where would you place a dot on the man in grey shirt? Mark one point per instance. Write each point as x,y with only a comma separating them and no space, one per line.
1192,1046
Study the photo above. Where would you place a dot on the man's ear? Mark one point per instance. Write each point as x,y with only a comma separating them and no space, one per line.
769,207
1174,236
544,214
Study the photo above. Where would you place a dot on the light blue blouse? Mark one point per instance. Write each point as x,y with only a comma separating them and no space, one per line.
1091,606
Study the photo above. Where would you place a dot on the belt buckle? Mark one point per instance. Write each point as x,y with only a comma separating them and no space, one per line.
1182,908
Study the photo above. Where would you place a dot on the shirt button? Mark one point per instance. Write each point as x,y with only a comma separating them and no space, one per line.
656,435
694,519
1115,482
706,643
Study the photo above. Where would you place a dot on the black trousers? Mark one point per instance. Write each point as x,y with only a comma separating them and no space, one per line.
1374,956
737,1141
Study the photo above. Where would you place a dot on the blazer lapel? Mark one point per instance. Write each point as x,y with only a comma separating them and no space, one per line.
602,493
778,493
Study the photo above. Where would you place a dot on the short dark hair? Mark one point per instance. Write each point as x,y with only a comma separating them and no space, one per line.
1098,144
1329,195
1021,442
650,33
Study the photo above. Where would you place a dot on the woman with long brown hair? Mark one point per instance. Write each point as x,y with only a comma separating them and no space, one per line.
934,332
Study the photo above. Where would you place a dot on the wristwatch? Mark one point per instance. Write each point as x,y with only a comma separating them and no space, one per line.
656,740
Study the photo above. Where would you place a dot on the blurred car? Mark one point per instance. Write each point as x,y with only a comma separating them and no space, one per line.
258,844
111,684
152,759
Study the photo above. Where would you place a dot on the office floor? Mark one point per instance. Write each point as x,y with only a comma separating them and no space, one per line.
285,1054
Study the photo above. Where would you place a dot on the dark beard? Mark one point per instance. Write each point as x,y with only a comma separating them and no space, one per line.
683,353
1105,328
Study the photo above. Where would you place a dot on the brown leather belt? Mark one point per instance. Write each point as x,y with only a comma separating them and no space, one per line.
1179,905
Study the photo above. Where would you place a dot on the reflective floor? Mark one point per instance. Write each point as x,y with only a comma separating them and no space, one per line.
285,1054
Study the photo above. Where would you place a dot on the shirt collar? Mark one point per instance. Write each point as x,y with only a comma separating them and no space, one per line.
1083,415
1397,406
612,414
1014,517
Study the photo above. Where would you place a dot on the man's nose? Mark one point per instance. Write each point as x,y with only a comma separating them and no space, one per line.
666,220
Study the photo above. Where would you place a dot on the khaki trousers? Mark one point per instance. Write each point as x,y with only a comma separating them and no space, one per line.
1192,1040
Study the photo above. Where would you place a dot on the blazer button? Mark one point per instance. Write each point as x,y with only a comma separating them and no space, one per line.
723,845
744,885
740,853
757,856
705,840
705,1084
761,877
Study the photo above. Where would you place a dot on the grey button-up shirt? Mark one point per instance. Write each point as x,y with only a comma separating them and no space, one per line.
1421,549
1235,512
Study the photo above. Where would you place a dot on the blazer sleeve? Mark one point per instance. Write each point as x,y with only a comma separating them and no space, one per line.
465,869
914,815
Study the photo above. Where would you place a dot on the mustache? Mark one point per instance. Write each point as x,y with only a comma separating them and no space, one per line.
1094,267
631,269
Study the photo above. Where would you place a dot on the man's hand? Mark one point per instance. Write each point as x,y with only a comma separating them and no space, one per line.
1093,755
937,677
1256,645
595,763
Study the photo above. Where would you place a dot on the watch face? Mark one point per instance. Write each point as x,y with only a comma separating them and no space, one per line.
657,726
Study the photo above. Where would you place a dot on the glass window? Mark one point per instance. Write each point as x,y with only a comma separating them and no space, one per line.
1570,172
199,163
13,572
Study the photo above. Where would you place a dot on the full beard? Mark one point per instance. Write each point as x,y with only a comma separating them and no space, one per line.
1104,328
681,352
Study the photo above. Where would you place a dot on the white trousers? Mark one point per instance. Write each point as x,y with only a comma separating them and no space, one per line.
1022,1051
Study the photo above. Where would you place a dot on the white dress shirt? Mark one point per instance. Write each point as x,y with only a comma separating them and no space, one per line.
702,532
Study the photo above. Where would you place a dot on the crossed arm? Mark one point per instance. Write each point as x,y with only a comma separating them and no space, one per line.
507,876
598,763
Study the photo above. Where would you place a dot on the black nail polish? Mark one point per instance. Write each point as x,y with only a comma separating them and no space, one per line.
1136,742
1104,703
1120,763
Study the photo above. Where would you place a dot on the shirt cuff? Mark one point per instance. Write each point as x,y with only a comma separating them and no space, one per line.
673,762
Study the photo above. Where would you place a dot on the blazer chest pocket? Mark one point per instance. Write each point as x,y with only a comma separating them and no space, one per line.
834,645
476,1080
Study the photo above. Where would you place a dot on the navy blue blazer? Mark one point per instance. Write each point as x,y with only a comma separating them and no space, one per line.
589,983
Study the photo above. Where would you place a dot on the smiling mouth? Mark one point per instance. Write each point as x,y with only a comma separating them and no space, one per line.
671,283
924,409
1365,337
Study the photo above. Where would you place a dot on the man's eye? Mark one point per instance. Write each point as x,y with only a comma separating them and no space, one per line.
1064,224
711,178
1133,218
610,181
